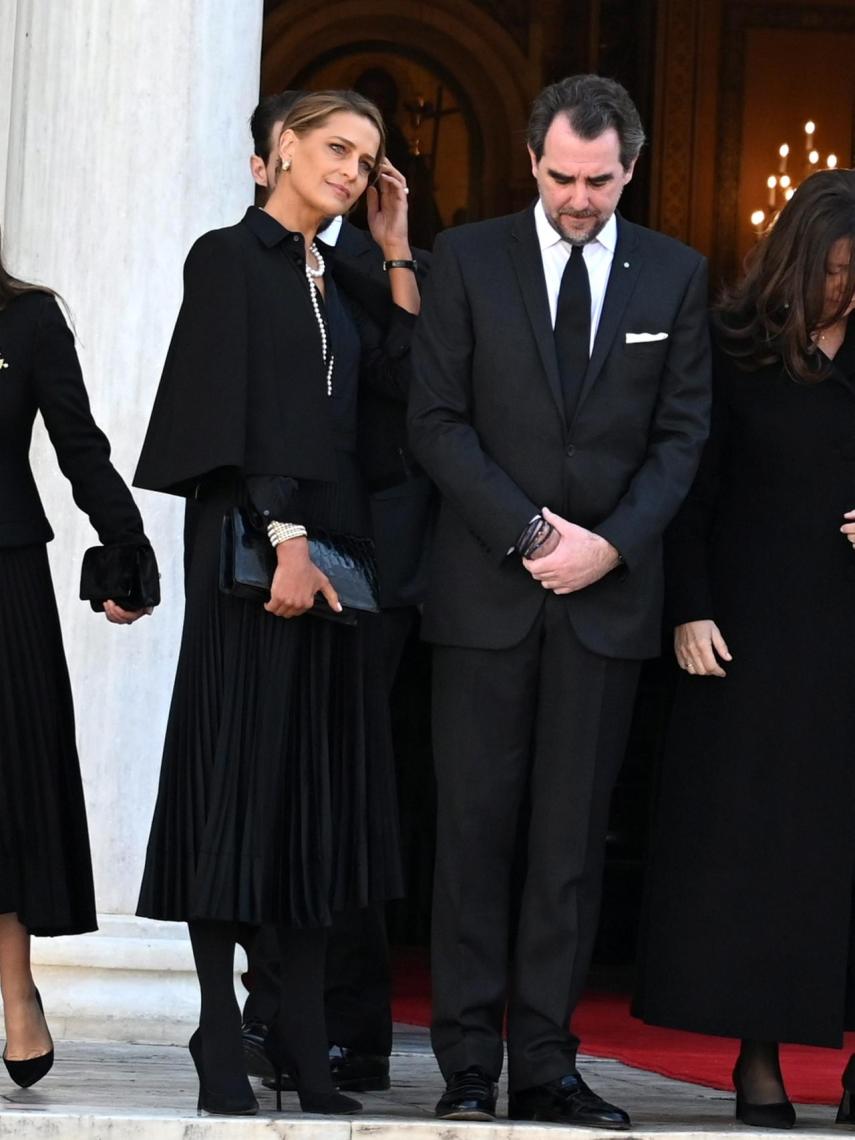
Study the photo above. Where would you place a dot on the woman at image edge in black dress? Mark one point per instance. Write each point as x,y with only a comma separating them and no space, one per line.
277,800
45,867
748,924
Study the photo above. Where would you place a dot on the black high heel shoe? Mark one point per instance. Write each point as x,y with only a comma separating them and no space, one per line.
212,1101
329,1102
780,1114
846,1111
26,1073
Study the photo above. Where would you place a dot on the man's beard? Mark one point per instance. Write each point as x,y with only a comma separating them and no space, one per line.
586,239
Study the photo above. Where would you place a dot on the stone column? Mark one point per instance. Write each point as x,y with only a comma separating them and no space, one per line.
128,137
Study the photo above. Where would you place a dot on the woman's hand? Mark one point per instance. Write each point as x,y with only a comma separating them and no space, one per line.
387,213
297,580
696,644
118,616
849,528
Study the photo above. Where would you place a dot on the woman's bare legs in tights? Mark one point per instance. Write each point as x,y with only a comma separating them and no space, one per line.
27,1034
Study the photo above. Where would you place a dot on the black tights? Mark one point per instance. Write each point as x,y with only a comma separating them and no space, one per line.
298,1039
760,1072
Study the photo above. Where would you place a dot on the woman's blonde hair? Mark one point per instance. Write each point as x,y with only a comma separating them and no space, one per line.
313,109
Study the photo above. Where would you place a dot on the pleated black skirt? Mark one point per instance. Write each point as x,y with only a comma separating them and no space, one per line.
277,800
45,866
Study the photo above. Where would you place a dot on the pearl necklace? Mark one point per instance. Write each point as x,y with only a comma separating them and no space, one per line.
311,274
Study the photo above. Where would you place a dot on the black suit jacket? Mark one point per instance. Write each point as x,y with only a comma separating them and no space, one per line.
487,423
40,373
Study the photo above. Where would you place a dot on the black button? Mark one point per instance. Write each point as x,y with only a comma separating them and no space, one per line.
570,450
296,237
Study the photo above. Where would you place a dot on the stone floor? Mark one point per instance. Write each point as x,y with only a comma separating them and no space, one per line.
147,1092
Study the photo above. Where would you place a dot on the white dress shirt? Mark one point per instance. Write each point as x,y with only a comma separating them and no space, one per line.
555,253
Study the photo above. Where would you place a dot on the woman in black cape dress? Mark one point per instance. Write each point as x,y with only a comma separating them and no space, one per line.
45,867
276,803
748,918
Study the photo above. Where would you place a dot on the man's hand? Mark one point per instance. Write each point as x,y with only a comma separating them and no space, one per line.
297,580
580,558
696,644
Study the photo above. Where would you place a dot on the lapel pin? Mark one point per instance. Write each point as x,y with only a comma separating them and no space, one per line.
3,363
626,265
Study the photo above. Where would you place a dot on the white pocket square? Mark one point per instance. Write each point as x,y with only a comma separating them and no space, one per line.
644,338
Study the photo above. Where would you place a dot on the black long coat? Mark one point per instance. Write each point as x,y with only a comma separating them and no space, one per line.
749,906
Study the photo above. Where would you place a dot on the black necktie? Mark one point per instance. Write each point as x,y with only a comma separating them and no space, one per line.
573,329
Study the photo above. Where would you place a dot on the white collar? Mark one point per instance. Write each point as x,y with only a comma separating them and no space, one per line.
548,237
329,234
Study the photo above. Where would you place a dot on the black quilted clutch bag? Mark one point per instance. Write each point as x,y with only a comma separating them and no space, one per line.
247,563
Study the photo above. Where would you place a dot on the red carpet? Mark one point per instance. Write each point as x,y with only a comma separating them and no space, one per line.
606,1028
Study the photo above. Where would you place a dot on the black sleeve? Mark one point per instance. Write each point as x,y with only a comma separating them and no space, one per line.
275,498
198,423
442,437
385,358
688,585
82,449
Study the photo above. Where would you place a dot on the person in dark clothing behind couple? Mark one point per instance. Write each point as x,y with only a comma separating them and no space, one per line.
276,802
358,997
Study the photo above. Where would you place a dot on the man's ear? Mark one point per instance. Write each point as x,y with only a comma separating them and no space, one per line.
628,173
533,158
258,169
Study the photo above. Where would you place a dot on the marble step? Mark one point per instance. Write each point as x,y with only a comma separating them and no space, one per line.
120,1091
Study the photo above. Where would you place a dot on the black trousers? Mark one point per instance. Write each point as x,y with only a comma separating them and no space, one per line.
528,742
358,990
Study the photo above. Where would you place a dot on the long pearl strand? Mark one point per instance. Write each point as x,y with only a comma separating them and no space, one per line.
311,274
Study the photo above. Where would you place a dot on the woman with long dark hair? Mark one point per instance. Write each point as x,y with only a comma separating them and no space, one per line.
45,867
749,917
276,803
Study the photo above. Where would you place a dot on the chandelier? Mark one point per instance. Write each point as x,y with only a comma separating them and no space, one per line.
782,184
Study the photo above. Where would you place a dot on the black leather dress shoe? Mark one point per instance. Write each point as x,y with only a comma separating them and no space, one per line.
567,1100
350,1071
254,1035
469,1095
358,1072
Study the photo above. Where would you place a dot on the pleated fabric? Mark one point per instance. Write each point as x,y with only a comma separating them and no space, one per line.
277,798
45,865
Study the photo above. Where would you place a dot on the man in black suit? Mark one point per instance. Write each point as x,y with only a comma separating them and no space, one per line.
560,402
358,988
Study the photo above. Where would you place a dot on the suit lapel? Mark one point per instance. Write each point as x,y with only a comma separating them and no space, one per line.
525,255
623,276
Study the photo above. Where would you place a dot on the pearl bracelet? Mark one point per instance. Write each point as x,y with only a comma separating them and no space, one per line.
280,532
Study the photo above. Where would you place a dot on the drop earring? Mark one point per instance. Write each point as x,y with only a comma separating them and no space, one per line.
286,164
